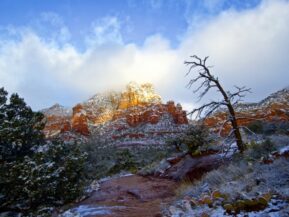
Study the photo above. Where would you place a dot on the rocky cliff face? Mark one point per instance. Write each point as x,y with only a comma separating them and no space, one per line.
152,113
57,120
272,109
136,106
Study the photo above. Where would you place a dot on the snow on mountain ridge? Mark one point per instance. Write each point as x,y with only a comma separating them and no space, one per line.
273,108
137,104
57,110
278,97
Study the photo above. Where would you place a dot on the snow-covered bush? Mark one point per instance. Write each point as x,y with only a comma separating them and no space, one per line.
269,127
52,176
105,159
20,127
194,140
256,151
34,173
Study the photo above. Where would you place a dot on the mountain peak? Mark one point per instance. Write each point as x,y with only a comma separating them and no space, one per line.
137,95
57,110
281,96
136,105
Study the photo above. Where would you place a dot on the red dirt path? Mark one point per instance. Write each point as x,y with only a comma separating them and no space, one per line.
136,195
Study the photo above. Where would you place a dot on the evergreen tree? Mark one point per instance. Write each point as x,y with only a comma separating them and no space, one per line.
52,176
3,100
20,127
34,172
3,97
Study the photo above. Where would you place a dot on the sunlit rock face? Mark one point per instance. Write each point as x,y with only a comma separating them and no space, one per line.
79,120
274,108
152,114
136,105
137,95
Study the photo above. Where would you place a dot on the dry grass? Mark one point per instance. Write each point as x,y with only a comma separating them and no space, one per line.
246,177
184,187
242,180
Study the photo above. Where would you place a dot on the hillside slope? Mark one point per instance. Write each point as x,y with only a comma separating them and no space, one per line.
274,108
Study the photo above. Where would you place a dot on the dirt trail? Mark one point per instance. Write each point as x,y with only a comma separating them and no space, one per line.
129,196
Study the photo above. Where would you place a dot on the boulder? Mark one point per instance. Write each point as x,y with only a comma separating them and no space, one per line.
193,167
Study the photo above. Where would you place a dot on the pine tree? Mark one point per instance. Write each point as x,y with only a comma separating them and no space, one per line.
20,127
3,100
34,172
52,176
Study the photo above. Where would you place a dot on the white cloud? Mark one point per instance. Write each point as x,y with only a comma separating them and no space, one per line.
247,48
105,31
51,27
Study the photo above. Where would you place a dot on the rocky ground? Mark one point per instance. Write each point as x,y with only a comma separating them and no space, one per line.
252,185
206,185
148,194
128,196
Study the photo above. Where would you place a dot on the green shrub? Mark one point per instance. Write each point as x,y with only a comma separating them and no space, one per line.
105,159
52,176
259,150
269,128
256,127
20,127
34,173
194,140
124,161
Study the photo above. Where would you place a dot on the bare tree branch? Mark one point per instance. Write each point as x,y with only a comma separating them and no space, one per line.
246,128
208,82
222,126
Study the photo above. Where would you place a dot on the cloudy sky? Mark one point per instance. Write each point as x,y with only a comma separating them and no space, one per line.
67,50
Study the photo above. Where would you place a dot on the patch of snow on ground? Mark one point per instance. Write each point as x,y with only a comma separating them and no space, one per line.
85,210
119,175
284,149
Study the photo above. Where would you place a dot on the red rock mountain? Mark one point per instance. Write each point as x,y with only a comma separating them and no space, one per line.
58,120
273,108
117,113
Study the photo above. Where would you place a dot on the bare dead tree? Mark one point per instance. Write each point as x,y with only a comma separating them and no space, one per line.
207,81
